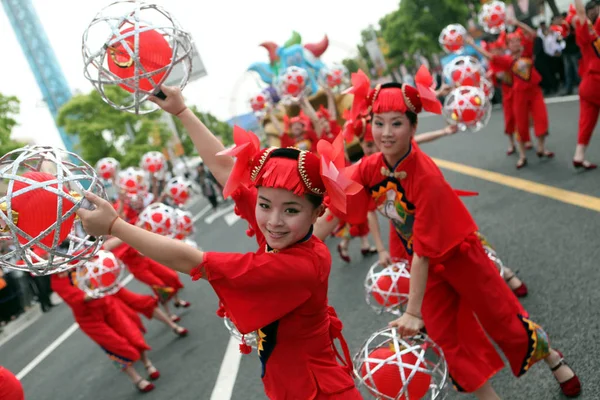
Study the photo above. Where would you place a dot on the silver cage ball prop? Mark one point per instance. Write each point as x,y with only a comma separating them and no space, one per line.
386,287
464,71
101,276
136,46
392,368
492,17
158,218
251,338
38,211
468,108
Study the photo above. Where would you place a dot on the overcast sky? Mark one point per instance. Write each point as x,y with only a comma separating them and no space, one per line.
227,35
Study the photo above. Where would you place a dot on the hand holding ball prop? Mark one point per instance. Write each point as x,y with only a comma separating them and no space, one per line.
153,162
387,288
392,368
464,71
291,84
492,17
38,210
452,38
468,108
145,44
101,276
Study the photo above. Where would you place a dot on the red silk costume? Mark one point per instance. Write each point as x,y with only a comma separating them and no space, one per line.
10,387
104,321
140,303
504,79
527,96
465,296
283,295
163,281
588,41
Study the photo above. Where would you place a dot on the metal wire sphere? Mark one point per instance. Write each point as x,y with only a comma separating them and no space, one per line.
100,276
335,77
180,189
292,85
492,17
381,287
184,224
452,38
158,218
468,108
250,338
153,162
464,71
404,361
65,178
113,26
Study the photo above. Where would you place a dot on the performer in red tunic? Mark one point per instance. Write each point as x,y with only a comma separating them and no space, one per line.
105,322
588,40
10,387
281,290
454,290
296,132
527,97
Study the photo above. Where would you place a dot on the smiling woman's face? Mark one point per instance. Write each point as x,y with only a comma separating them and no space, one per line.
392,132
284,218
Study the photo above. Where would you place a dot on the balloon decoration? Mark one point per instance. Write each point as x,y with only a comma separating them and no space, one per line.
492,17
107,168
464,71
45,189
184,224
153,162
179,189
291,84
133,180
392,368
468,108
101,276
453,38
135,46
292,53
387,287
158,218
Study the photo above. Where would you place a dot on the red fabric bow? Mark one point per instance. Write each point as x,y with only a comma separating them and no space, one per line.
335,332
335,174
424,82
247,145
360,88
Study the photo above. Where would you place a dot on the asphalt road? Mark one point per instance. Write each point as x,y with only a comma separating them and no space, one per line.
553,245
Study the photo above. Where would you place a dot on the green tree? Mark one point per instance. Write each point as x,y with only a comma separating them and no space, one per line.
220,129
104,131
351,64
416,26
9,108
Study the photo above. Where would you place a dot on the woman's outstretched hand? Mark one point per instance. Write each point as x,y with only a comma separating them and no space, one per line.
174,103
97,222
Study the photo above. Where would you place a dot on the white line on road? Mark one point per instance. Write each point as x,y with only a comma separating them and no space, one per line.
212,217
561,99
223,389
201,213
231,218
48,350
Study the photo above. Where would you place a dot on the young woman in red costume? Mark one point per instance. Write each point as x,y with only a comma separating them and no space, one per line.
104,321
527,96
454,290
281,289
296,132
587,28
10,387
164,282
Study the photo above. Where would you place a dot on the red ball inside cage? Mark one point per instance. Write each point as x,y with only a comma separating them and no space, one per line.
397,295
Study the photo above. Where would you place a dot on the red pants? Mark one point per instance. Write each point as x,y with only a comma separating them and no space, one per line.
463,302
526,104
112,330
352,394
10,387
164,282
589,107
143,304
131,314
509,114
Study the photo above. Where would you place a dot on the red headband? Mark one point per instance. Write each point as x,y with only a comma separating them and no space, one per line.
394,97
361,128
300,118
298,171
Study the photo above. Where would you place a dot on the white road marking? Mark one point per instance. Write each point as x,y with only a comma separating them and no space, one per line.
201,213
562,99
223,389
54,345
212,217
231,218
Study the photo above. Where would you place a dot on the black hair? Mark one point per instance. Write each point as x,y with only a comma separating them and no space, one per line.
314,199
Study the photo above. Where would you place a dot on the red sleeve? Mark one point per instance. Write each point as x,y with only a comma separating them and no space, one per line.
286,140
258,289
441,219
584,33
358,205
71,295
502,63
527,46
